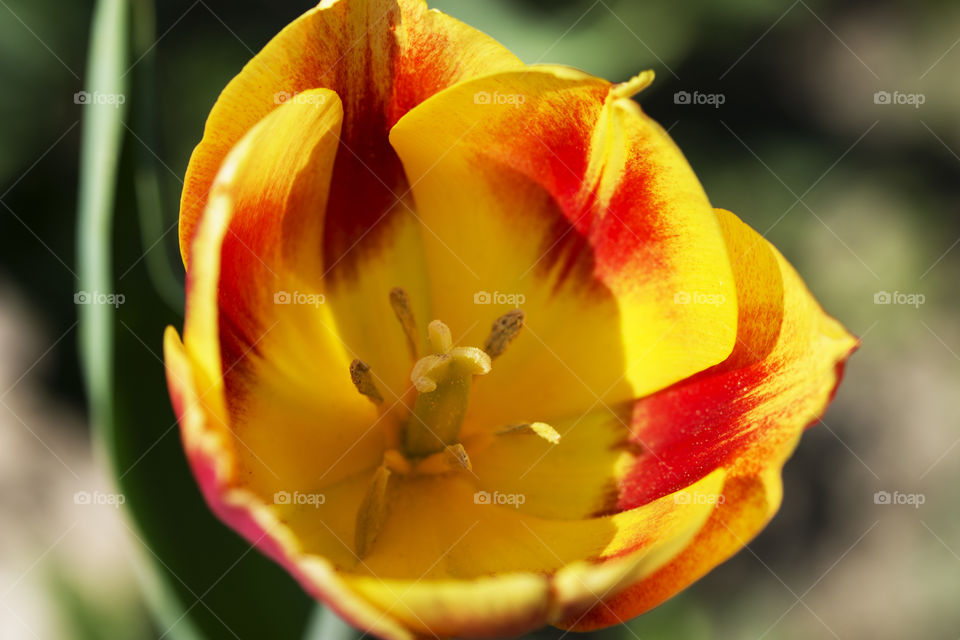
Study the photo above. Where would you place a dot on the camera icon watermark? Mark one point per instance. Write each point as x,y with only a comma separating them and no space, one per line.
497,297
88,98
497,98
697,497
898,297
496,498
98,498
296,498
896,498
699,298
95,297
299,298
283,97
697,98
899,97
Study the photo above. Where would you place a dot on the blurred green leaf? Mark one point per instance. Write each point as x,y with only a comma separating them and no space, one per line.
147,182
105,106
90,616
327,625
201,580
99,159
679,617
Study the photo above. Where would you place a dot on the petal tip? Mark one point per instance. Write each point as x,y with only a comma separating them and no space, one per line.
634,85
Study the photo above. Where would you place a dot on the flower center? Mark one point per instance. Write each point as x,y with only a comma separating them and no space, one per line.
428,439
442,378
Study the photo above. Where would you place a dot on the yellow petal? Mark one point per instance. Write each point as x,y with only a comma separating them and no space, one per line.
572,475
385,56
274,362
745,415
538,189
503,555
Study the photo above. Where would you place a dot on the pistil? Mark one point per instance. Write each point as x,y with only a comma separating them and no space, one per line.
444,379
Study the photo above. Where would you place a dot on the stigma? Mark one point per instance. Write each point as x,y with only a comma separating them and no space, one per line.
443,380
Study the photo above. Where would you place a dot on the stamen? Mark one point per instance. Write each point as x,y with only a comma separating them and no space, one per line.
503,332
400,302
373,511
459,455
396,462
541,429
452,458
363,380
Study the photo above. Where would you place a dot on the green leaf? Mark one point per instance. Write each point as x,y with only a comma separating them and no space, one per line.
327,625
201,580
153,227
99,159
104,102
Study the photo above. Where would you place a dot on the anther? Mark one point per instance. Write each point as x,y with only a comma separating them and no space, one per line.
453,458
503,332
459,456
541,429
363,380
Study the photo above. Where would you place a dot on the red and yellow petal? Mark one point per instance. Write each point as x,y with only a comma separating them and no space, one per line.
549,189
567,568
207,443
576,477
749,502
493,571
382,57
269,366
745,415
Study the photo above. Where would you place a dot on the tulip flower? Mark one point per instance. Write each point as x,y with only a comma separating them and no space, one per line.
467,349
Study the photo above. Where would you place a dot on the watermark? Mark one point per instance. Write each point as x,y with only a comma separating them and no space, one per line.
712,99
95,297
299,297
698,297
511,499
283,97
497,297
99,498
697,497
899,97
485,97
898,297
296,498
912,499
85,98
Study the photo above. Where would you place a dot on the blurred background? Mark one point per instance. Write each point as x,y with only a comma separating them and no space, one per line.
831,127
